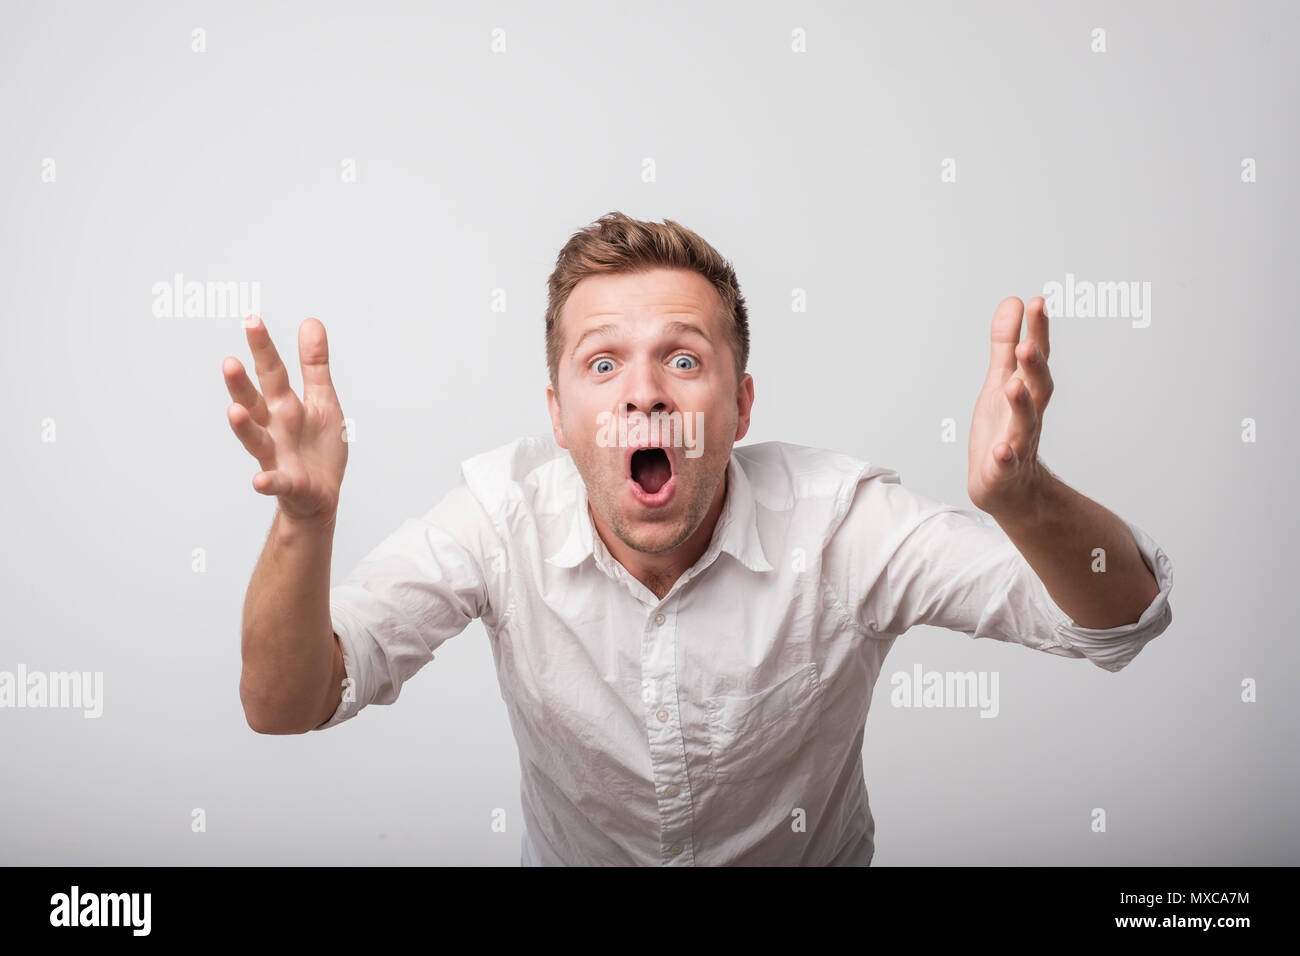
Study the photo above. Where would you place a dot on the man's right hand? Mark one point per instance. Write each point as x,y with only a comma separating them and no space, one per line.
299,445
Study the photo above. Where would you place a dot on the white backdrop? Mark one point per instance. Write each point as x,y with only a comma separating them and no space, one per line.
395,169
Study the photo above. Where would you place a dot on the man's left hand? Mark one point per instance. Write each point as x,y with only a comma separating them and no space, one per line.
1006,479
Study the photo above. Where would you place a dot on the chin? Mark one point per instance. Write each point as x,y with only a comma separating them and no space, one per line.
652,539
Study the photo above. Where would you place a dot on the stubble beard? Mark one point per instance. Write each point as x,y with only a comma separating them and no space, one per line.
695,485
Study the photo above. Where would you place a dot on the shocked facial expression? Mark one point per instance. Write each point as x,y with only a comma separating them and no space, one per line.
648,404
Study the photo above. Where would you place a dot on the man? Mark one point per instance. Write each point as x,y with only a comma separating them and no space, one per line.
686,633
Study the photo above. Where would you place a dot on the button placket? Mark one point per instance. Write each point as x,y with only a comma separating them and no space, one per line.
664,732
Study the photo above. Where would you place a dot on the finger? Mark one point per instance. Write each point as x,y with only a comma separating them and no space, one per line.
1004,459
271,373
256,439
1035,372
1003,337
314,356
1024,417
242,390
1036,325
272,483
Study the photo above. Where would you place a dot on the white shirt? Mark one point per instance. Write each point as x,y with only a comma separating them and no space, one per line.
705,727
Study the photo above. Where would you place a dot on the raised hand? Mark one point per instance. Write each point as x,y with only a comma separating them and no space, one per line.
1005,474
299,445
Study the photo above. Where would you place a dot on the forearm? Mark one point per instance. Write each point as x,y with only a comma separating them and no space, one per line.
1058,534
288,644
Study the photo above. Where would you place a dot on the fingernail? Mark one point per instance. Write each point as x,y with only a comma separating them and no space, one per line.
251,322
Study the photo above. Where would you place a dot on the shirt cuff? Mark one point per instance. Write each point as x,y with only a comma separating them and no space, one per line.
1112,648
352,694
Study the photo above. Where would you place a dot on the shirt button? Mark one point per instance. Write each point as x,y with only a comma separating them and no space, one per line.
659,620
675,849
672,790
662,714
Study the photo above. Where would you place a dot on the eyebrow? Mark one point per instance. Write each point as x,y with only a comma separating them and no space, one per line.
675,326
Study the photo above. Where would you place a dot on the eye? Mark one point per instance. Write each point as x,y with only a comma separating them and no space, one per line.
684,368
602,365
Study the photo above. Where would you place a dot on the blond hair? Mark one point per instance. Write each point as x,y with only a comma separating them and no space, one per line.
616,244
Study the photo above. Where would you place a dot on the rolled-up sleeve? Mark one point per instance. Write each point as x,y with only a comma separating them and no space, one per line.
956,568
420,586
1113,647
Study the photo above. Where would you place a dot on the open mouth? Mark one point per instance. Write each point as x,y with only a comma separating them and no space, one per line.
651,469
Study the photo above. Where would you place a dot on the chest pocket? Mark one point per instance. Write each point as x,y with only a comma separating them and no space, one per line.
759,733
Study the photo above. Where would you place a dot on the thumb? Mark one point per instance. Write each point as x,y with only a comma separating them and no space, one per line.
1004,460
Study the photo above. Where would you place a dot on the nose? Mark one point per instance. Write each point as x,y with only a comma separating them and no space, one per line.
644,389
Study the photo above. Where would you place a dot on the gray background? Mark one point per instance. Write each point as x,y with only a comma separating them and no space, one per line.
817,171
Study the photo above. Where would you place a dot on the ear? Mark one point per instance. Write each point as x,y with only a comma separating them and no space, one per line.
553,403
744,403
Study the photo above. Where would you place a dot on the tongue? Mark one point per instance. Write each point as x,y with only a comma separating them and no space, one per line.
650,469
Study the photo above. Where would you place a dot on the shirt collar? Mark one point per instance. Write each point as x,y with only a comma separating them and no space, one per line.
736,531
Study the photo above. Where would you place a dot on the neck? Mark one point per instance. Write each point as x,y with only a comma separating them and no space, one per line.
659,572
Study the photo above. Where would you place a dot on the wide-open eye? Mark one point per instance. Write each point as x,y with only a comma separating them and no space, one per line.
602,365
684,368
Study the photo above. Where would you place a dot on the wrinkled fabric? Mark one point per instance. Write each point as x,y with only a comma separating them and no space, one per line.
723,724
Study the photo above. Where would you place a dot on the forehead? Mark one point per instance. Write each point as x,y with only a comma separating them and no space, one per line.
655,292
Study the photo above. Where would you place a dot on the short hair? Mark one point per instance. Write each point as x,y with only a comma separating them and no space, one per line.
617,244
